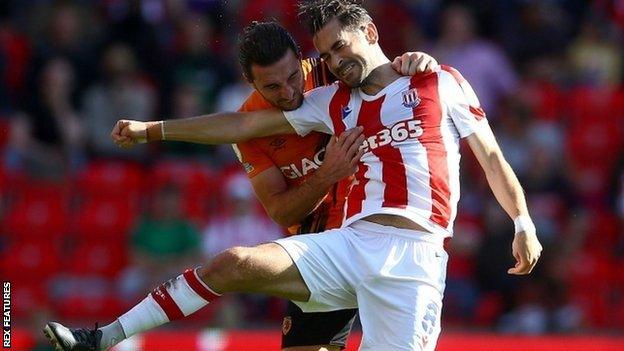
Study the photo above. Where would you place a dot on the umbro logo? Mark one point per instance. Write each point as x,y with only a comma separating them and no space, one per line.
346,111
278,143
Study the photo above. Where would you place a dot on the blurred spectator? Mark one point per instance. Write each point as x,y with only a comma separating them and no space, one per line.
119,93
233,94
493,257
550,192
461,293
162,242
47,140
133,23
65,33
512,135
482,63
241,224
537,29
15,54
196,64
530,315
399,28
187,103
596,60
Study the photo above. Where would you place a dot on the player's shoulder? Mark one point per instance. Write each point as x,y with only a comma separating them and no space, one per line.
255,102
445,71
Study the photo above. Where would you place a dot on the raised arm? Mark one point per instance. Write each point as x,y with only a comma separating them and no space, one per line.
526,247
217,128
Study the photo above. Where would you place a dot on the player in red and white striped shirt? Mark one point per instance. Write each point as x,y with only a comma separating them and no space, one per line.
388,258
412,128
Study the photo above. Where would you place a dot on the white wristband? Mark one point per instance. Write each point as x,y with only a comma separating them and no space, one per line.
162,129
523,223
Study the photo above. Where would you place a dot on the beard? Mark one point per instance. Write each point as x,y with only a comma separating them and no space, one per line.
290,105
350,73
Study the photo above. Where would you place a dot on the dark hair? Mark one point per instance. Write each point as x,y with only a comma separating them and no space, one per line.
263,43
315,14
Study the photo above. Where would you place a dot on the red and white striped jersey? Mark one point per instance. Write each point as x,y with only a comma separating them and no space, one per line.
412,129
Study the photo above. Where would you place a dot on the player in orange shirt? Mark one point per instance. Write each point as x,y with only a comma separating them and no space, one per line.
301,181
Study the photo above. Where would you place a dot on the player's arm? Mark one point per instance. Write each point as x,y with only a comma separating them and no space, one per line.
217,128
289,206
471,123
508,191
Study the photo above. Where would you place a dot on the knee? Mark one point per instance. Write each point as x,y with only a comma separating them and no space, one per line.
229,269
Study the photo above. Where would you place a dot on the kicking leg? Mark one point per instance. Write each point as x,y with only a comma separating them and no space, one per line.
264,269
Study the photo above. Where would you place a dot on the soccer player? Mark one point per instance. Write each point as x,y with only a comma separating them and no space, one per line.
387,259
295,187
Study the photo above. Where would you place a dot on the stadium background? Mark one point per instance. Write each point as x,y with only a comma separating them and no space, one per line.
87,229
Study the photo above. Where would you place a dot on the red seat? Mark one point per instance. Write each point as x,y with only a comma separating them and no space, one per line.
589,277
546,99
196,182
89,308
28,261
38,217
106,218
111,179
28,297
188,176
590,104
102,258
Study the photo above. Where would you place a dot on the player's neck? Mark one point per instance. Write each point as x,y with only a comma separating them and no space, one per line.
379,78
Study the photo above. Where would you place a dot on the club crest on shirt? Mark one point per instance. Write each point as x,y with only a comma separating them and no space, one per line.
278,143
286,325
410,98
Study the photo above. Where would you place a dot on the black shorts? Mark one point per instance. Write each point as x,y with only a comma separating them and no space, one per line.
324,328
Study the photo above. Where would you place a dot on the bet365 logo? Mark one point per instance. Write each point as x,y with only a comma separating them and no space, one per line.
399,132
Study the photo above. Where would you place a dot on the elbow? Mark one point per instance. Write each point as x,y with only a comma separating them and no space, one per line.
282,217
496,162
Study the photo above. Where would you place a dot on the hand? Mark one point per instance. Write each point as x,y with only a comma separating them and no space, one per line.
342,155
526,249
127,133
411,63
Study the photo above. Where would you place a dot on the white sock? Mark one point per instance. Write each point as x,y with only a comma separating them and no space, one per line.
175,299
111,335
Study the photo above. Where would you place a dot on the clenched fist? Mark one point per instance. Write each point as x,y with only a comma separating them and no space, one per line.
127,133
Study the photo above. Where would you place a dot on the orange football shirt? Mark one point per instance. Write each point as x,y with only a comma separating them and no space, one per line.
297,157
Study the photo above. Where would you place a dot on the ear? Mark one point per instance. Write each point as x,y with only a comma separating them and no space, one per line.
247,78
371,33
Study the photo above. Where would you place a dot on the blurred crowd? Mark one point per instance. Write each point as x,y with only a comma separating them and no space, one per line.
87,228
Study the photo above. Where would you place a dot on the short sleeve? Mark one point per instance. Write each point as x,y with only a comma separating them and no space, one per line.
461,101
313,115
254,161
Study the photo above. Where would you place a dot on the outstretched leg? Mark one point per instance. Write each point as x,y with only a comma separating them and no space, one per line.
266,269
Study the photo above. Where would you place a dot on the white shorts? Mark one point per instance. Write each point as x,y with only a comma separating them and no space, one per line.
394,276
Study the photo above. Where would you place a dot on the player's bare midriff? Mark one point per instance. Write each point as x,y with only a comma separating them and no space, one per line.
394,221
